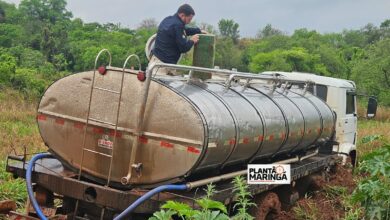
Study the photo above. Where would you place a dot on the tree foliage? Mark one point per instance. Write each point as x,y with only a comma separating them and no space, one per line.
373,72
42,38
268,31
148,23
229,28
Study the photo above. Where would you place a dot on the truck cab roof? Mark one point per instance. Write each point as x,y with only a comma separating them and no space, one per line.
323,80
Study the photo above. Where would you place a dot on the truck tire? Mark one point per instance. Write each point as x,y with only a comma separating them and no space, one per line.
268,206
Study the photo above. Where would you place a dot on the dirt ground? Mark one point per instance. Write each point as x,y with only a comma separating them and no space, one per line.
323,200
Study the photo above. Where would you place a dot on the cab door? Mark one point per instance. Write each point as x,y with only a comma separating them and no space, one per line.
350,120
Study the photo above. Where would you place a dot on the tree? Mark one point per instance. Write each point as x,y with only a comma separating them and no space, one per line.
385,28
2,14
372,33
228,55
268,31
92,27
385,24
308,39
39,39
208,27
57,11
148,23
10,35
229,28
26,57
332,61
48,44
372,74
269,61
44,14
7,68
295,59
9,13
112,27
354,38
45,10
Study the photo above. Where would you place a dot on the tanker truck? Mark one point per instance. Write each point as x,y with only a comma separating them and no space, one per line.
122,142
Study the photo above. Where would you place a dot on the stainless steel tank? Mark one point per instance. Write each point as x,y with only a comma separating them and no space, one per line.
188,127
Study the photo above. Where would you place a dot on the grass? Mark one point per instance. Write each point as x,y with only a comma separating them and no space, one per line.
18,130
334,192
378,127
309,211
372,134
11,188
382,114
371,128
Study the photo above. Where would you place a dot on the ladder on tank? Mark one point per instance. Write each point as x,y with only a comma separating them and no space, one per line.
90,119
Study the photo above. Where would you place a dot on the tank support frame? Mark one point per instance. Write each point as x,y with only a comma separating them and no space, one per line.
51,175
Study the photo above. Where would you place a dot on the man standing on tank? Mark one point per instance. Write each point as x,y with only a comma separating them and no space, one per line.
171,40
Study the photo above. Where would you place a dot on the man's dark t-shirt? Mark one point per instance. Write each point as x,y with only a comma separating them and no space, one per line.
171,39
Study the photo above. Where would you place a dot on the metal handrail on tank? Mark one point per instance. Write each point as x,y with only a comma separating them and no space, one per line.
231,73
254,76
145,92
118,109
125,180
132,56
197,69
100,53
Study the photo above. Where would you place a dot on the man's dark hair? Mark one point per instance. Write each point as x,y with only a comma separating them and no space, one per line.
186,9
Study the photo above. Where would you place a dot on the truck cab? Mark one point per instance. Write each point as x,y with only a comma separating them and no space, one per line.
340,95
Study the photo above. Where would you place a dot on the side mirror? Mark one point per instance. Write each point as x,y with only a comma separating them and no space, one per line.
371,108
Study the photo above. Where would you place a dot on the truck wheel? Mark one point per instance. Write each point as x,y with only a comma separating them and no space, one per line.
268,206
352,157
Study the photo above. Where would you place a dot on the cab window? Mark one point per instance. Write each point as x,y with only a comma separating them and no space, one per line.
322,92
350,103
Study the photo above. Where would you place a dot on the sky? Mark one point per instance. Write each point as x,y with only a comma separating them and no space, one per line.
324,16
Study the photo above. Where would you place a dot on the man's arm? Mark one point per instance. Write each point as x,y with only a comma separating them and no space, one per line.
183,44
192,31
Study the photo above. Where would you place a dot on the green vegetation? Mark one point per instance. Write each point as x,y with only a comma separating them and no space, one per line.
373,189
210,209
372,135
352,211
244,198
18,131
309,213
41,41
12,188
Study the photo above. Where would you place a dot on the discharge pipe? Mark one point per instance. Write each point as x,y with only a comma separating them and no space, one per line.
29,183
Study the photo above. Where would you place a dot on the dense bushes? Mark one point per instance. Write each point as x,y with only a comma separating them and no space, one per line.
373,191
26,81
42,38
7,68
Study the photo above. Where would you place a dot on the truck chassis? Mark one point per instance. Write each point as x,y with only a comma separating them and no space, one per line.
54,180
